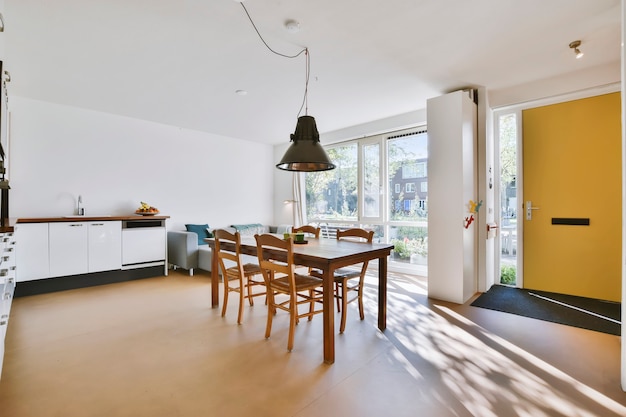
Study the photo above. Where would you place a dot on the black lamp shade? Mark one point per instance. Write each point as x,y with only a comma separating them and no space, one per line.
306,152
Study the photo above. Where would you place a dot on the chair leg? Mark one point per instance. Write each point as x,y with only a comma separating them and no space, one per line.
337,297
249,291
226,291
293,310
271,310
241,294
311,305
360,300
344,305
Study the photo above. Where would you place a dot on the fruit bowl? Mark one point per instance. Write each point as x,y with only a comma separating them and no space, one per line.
146,213
146,210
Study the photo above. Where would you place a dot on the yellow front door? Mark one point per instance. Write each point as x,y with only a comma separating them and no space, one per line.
571,174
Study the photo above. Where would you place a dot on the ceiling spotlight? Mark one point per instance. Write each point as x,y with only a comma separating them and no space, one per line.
574,45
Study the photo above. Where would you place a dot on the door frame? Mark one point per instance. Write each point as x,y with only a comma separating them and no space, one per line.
518,109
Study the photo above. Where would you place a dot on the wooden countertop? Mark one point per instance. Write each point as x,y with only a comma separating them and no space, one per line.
87,218
9,225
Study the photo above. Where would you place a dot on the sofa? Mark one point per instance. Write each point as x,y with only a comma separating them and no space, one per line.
187,249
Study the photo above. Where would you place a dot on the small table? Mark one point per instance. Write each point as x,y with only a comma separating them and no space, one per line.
326,255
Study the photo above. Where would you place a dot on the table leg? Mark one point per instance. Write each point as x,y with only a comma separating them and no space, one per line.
382,293
215,281
329,317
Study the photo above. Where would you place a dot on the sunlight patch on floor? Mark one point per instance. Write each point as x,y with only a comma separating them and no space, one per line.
483,366
486,373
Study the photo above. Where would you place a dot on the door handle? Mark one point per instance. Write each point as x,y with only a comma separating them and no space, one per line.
529,210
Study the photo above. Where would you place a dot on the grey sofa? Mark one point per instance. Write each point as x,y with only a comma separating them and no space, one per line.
184,250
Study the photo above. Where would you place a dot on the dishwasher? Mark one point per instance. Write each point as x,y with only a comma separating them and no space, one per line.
143,243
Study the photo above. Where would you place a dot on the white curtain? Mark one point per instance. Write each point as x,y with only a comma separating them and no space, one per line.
298,199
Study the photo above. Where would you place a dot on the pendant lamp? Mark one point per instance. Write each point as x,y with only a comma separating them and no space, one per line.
306,152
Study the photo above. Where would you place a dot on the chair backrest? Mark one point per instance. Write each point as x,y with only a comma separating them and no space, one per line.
307,228
226,255
356,234
275,257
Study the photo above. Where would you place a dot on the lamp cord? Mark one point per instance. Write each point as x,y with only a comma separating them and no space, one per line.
305,100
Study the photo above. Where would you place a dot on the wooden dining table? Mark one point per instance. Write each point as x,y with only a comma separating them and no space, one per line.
327,255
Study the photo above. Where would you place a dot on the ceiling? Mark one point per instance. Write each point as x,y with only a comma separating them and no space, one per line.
181,62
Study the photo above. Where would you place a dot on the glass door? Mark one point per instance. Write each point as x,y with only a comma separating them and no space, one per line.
507,128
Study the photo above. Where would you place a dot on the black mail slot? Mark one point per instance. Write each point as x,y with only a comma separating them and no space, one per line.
571,221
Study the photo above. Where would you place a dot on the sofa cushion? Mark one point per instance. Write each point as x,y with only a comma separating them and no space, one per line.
250,229
202,230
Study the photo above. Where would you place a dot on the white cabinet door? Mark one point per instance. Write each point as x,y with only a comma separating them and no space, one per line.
105,246
68,248
32,252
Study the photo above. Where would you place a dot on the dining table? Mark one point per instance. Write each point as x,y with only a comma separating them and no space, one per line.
326,255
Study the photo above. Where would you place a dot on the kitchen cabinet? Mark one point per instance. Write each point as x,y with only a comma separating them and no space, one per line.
68,248
105,246
32,258
58,247
84,247
7,285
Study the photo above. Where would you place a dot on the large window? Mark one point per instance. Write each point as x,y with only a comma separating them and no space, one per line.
381,183
332,195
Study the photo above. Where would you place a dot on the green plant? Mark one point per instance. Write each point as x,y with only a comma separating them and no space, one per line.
507,274
406,247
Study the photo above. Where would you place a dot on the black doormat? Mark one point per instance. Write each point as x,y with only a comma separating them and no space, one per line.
598,315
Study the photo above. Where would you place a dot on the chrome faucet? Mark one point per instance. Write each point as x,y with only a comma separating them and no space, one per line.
80,210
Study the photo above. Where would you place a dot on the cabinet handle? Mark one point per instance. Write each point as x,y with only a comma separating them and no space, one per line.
76,225
3,272
97,224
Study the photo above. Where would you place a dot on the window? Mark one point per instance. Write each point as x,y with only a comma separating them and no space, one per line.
414,170
380,183
407,157
371,178
333,194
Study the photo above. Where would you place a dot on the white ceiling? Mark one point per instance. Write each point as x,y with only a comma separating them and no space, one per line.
179,62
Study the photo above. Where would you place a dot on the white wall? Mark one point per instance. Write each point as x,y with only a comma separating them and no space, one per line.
375,127
58,152
452,183
555,86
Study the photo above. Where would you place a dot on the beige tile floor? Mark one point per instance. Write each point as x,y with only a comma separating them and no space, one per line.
154,347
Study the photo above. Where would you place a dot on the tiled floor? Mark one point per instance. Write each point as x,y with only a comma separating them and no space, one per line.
154,347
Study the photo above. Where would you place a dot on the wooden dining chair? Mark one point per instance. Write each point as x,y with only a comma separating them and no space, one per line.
308,229
350,281
234,271
277,263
